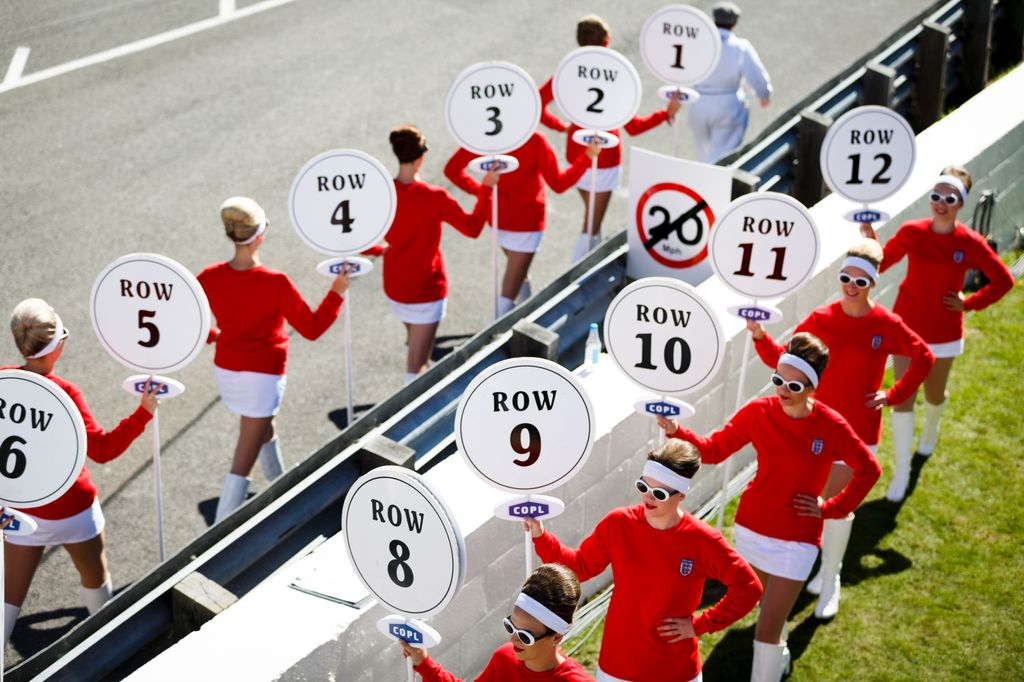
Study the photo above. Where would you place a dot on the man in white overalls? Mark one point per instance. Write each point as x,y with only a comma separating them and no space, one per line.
719,118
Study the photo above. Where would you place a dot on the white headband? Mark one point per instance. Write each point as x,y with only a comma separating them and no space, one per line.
863,264
660,472
541,613
800,364
259,230
58,333
956,182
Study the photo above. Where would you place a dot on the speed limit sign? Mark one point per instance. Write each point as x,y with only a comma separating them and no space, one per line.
342,202
596,87
525,425
403,541
42,440
664,336
492,108
680,44
150,313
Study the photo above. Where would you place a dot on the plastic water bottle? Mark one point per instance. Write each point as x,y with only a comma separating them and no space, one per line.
592,354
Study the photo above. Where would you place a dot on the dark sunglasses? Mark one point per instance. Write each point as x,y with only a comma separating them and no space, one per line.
525,636
948,199
660,494
859,282
794,385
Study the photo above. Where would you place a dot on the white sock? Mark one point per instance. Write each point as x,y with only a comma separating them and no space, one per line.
96,597
902,441
524,291
232,495
270,459
505,304
930,429
584,244
409,378
10,618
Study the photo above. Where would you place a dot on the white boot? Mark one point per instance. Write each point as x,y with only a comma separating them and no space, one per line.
770,662
833,546
505,304
585,243
270,459
10,618
930,429
96,597
525,291
409,378
902,441
232,494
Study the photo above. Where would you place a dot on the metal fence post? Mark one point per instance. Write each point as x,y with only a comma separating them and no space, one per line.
978,45
932,62
744,182
1008,37
809,186
878,84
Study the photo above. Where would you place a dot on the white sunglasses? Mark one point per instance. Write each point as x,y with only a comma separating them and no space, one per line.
660,494
948,199
525,636
793,384
859,282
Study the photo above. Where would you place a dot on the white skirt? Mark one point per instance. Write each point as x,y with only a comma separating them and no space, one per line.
419,313
82,526
783,558
607,179
522,242
602,676
250,394
950,349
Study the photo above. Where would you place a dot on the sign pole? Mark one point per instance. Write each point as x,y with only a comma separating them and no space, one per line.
495,292
723,495
591,199
408,661
158,486
527,537
348,360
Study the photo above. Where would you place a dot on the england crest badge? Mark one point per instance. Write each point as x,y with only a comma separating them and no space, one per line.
876,341
817,445
685,567
958,256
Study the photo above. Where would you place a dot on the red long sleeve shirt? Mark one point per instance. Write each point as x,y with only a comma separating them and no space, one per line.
609,158
936,265
793,456
414,269
858,348
101,446
505,667
658,574
251,307
522,204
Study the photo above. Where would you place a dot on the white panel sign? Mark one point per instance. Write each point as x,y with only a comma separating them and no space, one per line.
680,44
765,246
492,108
150,313
42,440
596,87
342,202
404,544
868,154
525,425
672,206
663,336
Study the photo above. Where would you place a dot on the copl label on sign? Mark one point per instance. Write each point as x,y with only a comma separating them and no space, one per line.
867,216
754,314
406,633
353,268
664,409
140,387
528,510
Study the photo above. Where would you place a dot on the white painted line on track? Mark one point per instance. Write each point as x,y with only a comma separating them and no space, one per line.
17,65
226,7
139,45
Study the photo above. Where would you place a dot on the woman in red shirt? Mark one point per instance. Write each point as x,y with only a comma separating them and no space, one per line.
860,335
251,303
75,520
415,281
536,626
660,556
779,520
939,252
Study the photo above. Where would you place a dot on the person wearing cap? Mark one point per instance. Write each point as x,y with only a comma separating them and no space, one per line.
592,30
415,280
718,120
939,251
780,516
251,304
75,519
861,335
536,625
661,556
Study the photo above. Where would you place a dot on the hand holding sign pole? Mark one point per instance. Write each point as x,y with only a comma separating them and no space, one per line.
764,246
151,314
493,108
549,422
341,203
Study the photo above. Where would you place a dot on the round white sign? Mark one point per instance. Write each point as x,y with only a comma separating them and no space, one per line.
663,336
403,541
765,245
680,44
492,108
596,87
150,313
525,425
42,440
342,202
868,154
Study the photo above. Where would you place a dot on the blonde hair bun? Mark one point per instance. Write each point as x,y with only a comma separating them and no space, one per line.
33,324
241,217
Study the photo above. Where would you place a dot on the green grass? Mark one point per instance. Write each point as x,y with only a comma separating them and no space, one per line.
933,588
